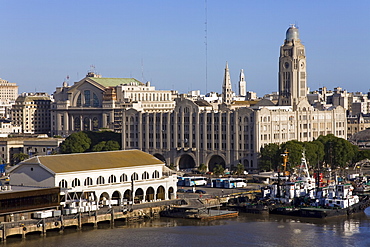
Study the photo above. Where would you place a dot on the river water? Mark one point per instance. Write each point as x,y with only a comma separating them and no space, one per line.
245,230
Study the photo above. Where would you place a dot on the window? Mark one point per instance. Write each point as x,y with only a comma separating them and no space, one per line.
155,174
78,103
76,182
87,98
145,175
112,179
88,181
63,184
123,178
95,101
134,176
100,180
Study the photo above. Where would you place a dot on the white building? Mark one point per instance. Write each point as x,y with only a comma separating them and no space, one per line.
114,175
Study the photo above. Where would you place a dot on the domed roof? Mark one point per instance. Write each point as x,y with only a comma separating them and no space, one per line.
292,33
361,136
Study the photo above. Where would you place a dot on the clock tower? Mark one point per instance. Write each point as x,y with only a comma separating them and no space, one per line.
292,69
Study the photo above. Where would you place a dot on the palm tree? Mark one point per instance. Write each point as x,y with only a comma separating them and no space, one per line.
219,170
240,169
19,157
202,168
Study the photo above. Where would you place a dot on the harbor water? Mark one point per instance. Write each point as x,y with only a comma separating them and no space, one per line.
245,230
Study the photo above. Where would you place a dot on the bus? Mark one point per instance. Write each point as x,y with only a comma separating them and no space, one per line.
195,181
235,183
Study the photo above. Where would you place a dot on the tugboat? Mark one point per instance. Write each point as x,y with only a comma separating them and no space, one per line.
303,197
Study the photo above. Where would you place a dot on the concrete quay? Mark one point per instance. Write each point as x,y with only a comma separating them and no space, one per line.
116,213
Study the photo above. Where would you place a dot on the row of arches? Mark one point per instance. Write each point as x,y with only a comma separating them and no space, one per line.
76,182
186,161
139,195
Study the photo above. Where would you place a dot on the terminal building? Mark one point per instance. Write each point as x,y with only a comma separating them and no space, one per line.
106,178
197,132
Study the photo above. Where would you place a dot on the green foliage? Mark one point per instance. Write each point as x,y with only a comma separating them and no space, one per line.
202,168
19,157
219,170
329,150
86,141
240,169
77,142
338,152
171,166
106,146
295,149
270,157
99,136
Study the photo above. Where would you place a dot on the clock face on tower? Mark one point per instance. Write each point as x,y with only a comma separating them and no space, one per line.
302,65
286,65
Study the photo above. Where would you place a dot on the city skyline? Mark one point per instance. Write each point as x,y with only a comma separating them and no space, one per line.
165,42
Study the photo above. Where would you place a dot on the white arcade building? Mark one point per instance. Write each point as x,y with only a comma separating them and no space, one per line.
104,177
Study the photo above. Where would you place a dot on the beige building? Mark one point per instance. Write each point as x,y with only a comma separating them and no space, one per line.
8,94
8,91
29,146
197,132
95,102
31,113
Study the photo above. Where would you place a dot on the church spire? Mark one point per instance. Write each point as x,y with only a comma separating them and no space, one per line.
242,84
226,87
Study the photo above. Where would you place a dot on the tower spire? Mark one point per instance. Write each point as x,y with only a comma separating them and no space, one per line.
242,84
226,88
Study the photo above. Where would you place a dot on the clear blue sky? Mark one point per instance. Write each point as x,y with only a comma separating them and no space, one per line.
163,41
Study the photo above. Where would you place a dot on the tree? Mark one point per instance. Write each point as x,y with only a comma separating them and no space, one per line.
19,157
295,149
218,170
240,169
202,168
338,151
77,142
106,146
172,166
269,157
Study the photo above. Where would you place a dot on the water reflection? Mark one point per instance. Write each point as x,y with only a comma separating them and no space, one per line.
247,229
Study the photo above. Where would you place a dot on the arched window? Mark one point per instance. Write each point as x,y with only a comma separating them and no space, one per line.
155,174
112,179
145,175
78,103
100,180
134,176
95,124
63,184
87,98
86,124
123,178
77,124
88,181
95,101
76,182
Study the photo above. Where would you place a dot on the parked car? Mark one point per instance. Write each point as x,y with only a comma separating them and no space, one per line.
180,191
201,192
189,191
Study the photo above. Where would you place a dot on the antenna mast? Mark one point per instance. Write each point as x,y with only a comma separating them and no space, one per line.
206,43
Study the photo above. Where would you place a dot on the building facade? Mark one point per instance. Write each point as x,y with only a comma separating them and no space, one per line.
197,132
31,113
105,176
96,103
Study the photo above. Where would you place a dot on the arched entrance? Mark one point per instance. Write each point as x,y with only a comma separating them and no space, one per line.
127,195
149,195
116,198
160,157
161,193
104,199
139,196
170,193
186,162
216,160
